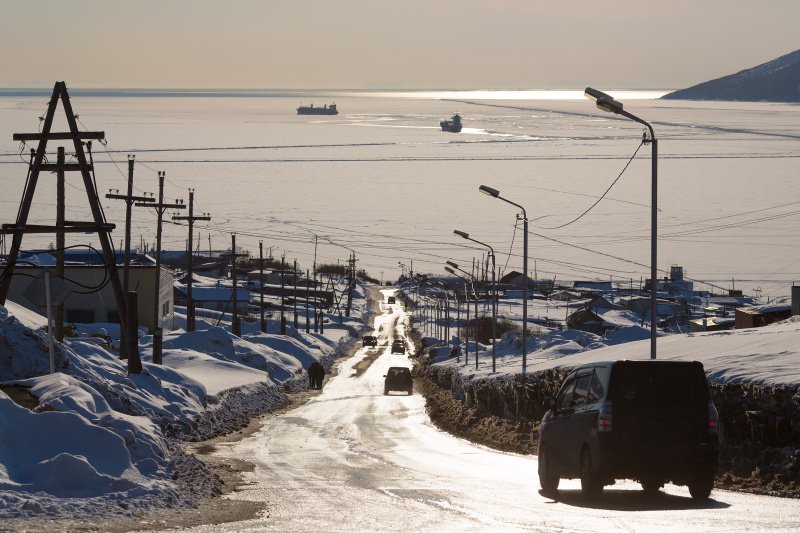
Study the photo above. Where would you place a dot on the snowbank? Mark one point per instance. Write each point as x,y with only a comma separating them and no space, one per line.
102,442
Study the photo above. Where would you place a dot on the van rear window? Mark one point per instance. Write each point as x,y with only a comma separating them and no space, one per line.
659,383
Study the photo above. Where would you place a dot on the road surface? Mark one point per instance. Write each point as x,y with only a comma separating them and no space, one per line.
352,459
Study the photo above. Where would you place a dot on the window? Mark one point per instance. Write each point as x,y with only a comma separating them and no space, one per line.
79,316
596,389
564,399
582,388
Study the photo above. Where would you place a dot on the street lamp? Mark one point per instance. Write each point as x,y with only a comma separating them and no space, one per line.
450,268
608,104
494,296
494,193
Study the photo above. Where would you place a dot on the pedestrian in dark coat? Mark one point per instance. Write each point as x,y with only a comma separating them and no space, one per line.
316,373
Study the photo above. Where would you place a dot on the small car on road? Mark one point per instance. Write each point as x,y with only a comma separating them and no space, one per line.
650,421
370,340
398,378
399,346
391,300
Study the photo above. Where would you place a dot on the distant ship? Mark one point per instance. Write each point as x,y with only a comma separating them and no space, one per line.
453,125
324,110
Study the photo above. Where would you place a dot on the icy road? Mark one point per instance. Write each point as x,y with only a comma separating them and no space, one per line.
353,459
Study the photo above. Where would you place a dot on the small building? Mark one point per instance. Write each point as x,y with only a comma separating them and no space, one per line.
602,302
565,296
89,298
518,280
761,315
711,323
603,286
586,320
215,297
275,277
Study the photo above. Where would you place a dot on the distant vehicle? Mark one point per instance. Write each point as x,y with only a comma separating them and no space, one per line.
324,110
650,421
391,300
399,346
398,378
370,340
453,125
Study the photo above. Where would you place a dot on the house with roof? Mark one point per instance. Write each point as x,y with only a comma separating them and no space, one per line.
600,321
761,315
87,296
217,297
711,323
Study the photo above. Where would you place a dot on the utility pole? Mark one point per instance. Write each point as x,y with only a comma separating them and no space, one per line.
61,241
283,286
160,207
295,294
261,283
129,199
316,302
126,269
307,293
236,326
351,282
190,317
98,224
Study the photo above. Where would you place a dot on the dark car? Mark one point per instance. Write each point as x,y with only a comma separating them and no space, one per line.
370,340
399,346
391,300
650,421
398,378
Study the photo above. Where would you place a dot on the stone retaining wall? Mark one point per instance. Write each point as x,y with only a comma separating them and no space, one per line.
759,425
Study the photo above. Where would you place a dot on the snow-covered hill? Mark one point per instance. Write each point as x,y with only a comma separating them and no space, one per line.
775,81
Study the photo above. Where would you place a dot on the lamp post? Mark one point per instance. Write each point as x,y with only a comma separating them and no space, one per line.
475,299
466,236
460,329
494,193
608,104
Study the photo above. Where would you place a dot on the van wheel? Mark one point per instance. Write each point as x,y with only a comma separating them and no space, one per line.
591,486
651,486
700,487
547,478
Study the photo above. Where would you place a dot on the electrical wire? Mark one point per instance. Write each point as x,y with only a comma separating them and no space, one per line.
601,196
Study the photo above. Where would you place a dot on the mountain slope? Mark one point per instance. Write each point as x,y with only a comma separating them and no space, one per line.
775,81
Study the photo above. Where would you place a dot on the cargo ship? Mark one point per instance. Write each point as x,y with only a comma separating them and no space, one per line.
453,125
324,110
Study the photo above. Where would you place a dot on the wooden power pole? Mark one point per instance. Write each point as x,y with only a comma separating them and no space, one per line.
129,199
261,284
190,317
236,326
160,207
98,224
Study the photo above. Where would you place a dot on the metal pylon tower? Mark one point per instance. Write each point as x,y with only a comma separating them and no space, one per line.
98,225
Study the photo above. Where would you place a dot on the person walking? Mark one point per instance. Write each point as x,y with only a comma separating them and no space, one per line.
316,373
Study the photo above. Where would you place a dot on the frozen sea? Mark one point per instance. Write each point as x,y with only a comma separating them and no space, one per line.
382,179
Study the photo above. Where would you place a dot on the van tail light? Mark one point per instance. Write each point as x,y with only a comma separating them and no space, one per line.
713,419
604,418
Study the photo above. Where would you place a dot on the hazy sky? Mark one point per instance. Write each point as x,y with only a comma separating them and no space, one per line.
389,44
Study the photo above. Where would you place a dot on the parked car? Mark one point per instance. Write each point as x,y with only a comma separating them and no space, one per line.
399,346
650,421
370,340
398,378
391,300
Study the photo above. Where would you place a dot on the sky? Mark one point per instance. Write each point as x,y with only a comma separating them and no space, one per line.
369,44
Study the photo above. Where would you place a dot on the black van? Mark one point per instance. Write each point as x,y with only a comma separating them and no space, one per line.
650,421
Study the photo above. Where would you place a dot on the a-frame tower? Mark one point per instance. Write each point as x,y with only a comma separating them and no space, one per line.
98,225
